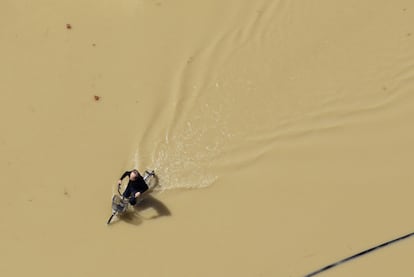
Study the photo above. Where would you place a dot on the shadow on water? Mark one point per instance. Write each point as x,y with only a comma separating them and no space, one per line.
148,208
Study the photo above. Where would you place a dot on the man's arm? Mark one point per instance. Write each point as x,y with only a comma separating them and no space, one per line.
123,176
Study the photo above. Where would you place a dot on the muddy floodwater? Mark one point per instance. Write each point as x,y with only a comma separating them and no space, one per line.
281,133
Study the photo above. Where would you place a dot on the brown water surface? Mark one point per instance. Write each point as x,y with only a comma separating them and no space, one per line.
281,133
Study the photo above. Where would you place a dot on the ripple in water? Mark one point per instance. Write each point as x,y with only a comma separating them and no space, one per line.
185,158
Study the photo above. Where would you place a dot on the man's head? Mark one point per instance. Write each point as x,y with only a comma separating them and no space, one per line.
134,174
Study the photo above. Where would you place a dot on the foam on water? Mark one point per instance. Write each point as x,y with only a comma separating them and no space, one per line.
184,158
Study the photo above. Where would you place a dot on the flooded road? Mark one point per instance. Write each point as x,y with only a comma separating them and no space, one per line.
280,131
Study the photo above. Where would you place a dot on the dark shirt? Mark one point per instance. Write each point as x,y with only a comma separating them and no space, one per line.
137,185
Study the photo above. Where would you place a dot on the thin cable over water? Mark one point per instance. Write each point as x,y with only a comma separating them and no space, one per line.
325,268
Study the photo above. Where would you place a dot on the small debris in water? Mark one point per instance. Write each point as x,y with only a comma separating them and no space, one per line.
97,98
68,26
190,60
66,193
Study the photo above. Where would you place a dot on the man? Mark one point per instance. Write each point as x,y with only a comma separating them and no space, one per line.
136,185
